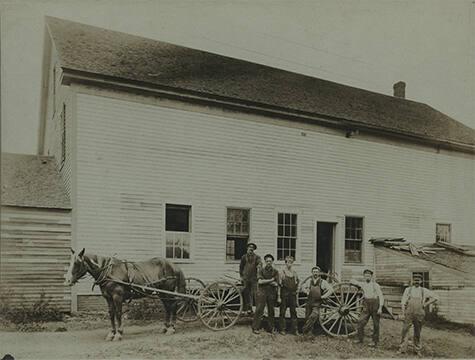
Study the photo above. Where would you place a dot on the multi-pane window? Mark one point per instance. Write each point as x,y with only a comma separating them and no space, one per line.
63,135
442,232
425,278
286,235
237,233
353,239
178,231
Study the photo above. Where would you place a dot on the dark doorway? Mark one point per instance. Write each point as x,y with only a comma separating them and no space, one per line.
325,232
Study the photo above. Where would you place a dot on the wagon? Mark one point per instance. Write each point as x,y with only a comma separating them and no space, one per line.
219,304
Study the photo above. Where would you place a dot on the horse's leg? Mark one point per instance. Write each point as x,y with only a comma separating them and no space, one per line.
111,333
117,299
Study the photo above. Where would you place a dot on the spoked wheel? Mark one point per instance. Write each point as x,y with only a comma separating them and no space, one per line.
220,305
187,309
340,312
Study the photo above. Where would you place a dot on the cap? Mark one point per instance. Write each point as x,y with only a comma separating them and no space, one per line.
252,244
368,271
316,267
269,256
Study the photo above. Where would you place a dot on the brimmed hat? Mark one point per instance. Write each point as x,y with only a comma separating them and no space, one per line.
368,271
251,244
269,256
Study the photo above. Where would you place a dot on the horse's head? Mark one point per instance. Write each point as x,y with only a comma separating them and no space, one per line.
77,267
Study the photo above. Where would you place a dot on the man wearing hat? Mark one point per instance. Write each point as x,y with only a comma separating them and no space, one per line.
267,283
250,262
318,290
413,302
373,302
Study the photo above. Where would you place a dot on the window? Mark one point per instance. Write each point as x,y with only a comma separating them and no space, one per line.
442,233
353,239
425,278
63,135
178,231
237,233
286,235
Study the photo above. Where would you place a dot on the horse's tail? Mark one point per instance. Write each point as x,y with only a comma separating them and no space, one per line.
180,281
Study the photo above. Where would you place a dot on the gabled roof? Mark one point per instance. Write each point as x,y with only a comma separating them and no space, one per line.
115,55
32,181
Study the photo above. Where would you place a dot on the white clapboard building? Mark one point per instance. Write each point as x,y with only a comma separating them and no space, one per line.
180,153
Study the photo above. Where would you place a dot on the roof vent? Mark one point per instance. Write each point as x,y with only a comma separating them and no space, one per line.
400,89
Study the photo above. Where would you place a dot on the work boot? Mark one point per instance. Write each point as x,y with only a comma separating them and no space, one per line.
357,341
373,344
255,331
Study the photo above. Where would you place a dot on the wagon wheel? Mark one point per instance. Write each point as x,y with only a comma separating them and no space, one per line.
187,309
340,312
220,305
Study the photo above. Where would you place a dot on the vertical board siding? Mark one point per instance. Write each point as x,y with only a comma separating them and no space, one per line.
53,123
132,158
395,268
35,255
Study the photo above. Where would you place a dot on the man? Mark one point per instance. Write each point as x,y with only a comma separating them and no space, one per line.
373,302
267,283
413,302
289,283
248,272
318,290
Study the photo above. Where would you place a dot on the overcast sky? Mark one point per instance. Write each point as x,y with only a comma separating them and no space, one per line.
371,44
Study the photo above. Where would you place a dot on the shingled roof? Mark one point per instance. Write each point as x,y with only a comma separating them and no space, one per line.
116,55
32,181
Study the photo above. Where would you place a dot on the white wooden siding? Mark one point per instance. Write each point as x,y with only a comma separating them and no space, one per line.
34,255
132,158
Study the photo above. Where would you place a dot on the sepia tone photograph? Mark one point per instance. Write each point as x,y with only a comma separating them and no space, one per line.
268,179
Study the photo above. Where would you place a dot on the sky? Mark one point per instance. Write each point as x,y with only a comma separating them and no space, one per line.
370,44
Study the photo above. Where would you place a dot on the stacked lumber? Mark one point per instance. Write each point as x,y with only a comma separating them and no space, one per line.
403,245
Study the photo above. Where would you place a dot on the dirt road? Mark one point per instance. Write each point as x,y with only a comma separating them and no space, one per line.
195,341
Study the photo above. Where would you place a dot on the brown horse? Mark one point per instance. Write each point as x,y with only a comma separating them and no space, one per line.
112,276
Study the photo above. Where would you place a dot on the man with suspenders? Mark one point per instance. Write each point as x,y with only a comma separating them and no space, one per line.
318,290
373,302
413,302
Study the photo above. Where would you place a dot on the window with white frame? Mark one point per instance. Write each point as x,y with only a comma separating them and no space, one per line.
178,231
353,239
442,233
237,233
286,235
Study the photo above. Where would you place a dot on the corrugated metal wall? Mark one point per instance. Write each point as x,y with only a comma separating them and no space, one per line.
35,255
133,158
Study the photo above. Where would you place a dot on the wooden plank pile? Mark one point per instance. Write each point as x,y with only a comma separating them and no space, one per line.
404,245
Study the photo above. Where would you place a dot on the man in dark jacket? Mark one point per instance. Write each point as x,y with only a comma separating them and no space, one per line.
267,284
248,272
318,290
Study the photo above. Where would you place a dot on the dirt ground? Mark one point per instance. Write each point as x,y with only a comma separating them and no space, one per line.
83,338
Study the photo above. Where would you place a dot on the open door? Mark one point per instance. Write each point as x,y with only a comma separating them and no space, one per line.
325,245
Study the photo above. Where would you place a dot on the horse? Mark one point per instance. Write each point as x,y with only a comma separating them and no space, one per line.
113,276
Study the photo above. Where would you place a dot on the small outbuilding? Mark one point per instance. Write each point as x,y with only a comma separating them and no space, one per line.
35,231
446,269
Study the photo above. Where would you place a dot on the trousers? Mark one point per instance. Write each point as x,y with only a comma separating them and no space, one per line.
266,296
312,316
249,294
289,299
370,309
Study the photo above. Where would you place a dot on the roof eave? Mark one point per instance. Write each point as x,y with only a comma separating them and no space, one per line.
78,76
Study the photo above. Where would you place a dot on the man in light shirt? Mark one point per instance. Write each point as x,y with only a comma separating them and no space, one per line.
413,302
373,302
